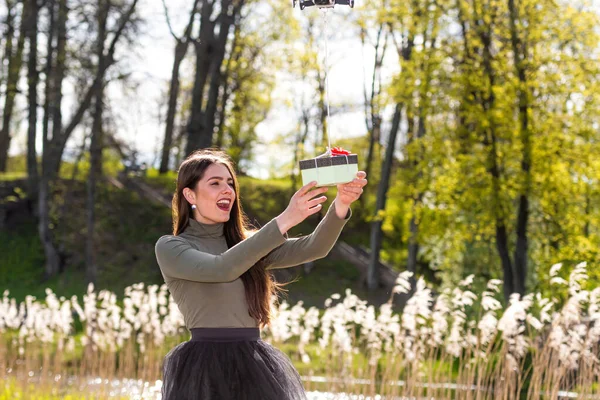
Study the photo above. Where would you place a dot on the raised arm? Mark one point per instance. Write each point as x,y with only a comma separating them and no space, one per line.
177,258
310,247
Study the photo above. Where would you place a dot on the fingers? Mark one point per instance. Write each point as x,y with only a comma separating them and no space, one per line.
313,193
304,189
316,201
359,182
356,182
315,209
303,199
352,189
361,178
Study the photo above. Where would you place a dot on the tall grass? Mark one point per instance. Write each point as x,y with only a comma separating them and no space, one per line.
454,344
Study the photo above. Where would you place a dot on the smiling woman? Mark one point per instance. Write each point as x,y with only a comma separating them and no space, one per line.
217,271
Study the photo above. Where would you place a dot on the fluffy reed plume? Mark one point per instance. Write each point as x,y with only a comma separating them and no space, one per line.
455,344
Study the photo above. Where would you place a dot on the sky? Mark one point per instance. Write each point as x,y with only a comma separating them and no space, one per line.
136,110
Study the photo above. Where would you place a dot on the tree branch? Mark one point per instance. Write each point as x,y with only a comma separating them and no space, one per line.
87,99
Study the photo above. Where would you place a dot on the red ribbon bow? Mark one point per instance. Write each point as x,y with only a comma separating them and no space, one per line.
338,151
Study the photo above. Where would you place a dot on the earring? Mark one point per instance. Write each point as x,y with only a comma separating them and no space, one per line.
193,206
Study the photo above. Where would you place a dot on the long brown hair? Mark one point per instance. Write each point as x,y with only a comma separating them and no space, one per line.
258,282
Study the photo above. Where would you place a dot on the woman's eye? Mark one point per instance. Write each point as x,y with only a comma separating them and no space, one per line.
216,183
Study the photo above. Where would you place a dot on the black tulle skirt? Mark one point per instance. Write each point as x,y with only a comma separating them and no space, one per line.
229,364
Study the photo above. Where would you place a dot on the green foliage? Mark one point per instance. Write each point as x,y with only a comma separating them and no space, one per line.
166,182
468,101
111,165
16,168
22,260
17,164
12,176
124,251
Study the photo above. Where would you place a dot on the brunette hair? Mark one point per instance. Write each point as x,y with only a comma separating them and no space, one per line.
258,282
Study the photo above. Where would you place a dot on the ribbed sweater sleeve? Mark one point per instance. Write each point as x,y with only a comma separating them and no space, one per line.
311,247
177,258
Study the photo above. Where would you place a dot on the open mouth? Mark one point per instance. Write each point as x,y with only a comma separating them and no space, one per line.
224,205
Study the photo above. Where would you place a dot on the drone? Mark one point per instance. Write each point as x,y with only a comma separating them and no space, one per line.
322,3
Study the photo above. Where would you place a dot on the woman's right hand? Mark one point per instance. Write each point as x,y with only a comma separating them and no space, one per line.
301,206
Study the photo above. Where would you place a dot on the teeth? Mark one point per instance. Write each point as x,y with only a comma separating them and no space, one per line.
223,202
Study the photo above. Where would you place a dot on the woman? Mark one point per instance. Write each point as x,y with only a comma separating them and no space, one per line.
217,272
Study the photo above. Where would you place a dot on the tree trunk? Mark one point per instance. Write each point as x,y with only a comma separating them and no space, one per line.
490,141
52,260
8,40
57,76
373,116
42,193
300,140
520,54
323,121
210,53
180,51
588,210
229,87
216,81
32,79
15,61
204,47
49,69
53,101
413,242
95,172
382,189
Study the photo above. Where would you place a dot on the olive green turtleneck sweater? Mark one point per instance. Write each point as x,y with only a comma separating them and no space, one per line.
203,274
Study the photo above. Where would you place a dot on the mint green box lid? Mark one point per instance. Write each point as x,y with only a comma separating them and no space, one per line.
329,171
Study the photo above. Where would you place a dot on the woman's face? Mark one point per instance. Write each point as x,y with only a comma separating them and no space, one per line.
214,195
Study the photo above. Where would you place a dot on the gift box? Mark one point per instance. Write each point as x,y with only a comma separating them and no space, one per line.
334,167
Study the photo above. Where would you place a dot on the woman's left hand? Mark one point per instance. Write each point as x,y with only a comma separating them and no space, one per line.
350,192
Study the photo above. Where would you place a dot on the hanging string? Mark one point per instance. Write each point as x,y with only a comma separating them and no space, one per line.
325,10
